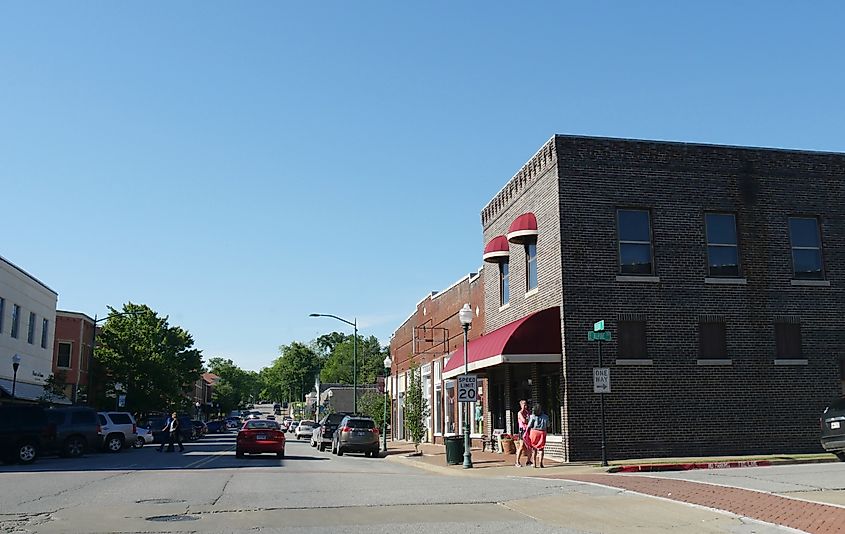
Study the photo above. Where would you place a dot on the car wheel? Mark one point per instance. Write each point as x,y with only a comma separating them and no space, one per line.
74,447
26,452
840,455
139,442
114,443
239,454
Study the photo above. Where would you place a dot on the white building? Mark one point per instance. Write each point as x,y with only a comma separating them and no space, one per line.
27,327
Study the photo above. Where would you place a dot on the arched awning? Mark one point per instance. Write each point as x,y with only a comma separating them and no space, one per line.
497,250
533,339
523,228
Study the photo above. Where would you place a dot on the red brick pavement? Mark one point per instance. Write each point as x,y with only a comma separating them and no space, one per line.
807,516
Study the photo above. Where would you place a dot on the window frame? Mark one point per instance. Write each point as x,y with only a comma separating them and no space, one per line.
708,244
69,354
30,329
504,283
620,242
793,248
16,320
786,324
45,327
2,313
620,328
723,342
529,262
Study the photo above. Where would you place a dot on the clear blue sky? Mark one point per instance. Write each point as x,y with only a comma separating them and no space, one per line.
238,165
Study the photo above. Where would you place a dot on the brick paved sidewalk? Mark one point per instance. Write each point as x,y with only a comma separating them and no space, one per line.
809,517
436,455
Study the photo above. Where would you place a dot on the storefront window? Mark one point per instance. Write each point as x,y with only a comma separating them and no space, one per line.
437,409
450,425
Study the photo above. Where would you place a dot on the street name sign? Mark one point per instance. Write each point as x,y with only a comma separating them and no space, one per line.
599,326
467,388
601,380
598,336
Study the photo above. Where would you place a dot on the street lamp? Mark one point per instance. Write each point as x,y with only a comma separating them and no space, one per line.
465,316
16,362
388,363
354,324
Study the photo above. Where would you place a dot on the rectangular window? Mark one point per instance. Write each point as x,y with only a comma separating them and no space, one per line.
45,326
632,340
504,283
806,248
788,340
634,231
16,315
2,313
530,265
30,330
722,249
712,339
63,358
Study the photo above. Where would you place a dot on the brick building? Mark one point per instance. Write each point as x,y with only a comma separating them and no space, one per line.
72,352
424,339
719,271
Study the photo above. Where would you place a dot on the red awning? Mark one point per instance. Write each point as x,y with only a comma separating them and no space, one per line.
523,228
497,250
533,339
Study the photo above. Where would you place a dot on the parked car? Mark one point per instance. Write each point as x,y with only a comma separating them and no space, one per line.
77,431
200,428
270,417
234,422
23,429
356,433
832,423
277,409
117,430
305,429
327,427
144,436
292,426
217,427
258,436
157,423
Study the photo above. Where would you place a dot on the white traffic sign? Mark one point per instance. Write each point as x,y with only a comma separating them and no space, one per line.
467,388
601,380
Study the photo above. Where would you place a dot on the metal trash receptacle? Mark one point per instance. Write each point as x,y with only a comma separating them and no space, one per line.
454,450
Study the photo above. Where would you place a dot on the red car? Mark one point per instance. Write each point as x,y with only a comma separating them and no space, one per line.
258,436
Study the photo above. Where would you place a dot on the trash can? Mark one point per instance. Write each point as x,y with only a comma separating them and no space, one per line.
454,450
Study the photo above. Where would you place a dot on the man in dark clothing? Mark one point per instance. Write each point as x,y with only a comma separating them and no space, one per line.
173,434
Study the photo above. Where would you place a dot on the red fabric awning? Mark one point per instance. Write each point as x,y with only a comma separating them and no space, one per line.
533,339
523,228
497,250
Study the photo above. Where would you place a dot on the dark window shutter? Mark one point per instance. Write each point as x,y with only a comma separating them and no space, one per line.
712,340
788,340
632,340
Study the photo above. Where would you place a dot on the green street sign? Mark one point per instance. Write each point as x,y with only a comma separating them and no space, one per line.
599,326
598,336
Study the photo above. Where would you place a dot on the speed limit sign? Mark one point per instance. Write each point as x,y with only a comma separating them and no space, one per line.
467,388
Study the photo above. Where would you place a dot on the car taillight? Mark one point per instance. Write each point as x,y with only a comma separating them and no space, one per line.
99,429
346,429
134,428
375,430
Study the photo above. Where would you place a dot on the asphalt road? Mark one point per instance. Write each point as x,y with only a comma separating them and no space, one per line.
207,489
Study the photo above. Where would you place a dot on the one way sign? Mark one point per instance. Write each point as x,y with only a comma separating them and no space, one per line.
601,380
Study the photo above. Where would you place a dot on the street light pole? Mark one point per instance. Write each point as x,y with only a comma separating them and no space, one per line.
465,316
388,363
354,324
16,362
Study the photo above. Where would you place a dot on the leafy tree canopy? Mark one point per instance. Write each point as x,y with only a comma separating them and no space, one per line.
338,365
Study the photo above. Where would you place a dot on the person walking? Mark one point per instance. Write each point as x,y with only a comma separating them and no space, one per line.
174,434
524,446
535,434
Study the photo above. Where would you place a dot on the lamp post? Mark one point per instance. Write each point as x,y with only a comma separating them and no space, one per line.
465,316
388,363
16,362
354,324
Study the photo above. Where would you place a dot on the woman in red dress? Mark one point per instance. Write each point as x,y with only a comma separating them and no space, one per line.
535,435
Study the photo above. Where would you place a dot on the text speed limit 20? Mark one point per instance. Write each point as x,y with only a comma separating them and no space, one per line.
467,388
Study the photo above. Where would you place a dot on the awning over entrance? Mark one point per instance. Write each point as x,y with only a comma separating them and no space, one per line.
29,392
533,339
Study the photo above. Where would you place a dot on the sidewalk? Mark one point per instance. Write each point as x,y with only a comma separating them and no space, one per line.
489,463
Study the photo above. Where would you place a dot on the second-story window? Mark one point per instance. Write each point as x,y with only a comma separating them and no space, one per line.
504,283
30,330
63,357
530,265
634,231
45,325
806,247
2,312
722,249
16,319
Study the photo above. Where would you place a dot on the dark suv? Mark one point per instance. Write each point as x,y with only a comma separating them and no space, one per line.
23,431
327,427
832,423
77,430
356,433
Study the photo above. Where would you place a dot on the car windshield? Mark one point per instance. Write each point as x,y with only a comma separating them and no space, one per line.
270,425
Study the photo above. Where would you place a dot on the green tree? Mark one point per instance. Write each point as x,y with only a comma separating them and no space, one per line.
416,408
372,404
55,386
338,364
154,361
236,386
293,372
